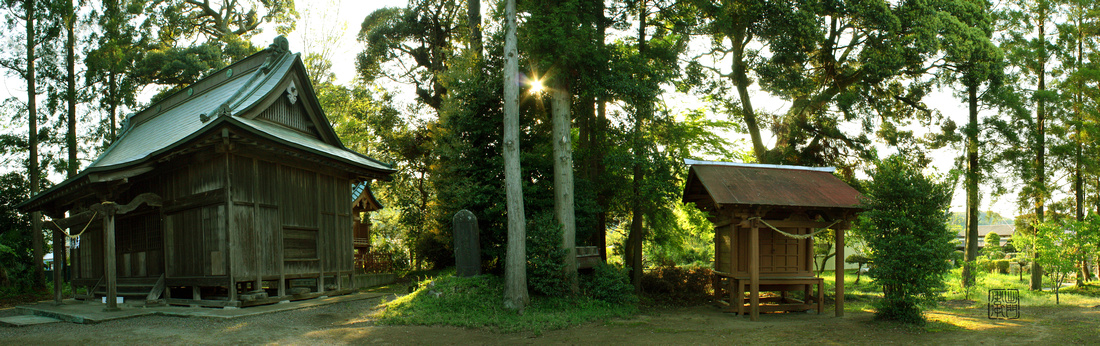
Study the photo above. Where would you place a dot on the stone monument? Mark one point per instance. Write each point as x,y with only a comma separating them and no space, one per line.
466,243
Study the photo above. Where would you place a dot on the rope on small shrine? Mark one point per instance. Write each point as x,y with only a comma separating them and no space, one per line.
796,236
55,225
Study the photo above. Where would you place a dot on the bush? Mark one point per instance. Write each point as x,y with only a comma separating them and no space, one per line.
1001,265
906,228
679,285
984,264
545,257
609,284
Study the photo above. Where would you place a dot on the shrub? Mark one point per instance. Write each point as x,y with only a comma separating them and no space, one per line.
678,285
545,257
906,228
609,284
984,264
1001,265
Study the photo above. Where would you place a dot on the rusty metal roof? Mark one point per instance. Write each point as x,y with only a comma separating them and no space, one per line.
769,185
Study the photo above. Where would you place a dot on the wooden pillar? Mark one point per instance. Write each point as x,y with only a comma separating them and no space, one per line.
340,233
280,246
321,245
230,230
259,264
754,271
838,261
58,264
110,266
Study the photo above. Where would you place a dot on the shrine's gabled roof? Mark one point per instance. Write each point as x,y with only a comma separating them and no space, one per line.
725,184
232,96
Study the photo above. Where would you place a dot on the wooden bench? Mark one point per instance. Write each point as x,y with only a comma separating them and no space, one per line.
739,285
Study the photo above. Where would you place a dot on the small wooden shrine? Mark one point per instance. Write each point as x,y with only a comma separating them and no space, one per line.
234,191
765,219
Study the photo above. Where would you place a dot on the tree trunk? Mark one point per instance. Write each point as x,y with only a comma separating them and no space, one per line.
515,270
600,129
32,139
113,10
636,238
59,262
561,101
473,10
972,178
741,81
1078,179
112,90
1040,154
70,78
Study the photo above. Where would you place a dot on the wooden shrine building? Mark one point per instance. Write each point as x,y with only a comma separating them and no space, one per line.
234,191
765,218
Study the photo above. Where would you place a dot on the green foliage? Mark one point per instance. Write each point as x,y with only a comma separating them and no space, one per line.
688,242
609,284
1058,246
905,228
545,256
419,39
859,259
474,302
992,249
688,285
991,265
16,258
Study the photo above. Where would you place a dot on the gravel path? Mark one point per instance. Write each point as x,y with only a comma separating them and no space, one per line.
293,327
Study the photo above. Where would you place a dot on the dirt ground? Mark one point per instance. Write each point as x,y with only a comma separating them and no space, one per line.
350,323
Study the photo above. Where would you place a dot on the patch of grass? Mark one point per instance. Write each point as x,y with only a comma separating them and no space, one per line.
861,297
477,302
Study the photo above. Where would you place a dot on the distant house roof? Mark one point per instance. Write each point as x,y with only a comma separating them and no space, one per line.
1005,231
232,96
726,183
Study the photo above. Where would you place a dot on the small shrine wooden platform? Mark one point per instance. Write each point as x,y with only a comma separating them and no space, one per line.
765,220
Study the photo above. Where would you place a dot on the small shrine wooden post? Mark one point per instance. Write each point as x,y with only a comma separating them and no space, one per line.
838,262
58,264
754,270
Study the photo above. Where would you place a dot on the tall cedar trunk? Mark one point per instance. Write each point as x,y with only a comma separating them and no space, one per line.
1078,180
1040,153
112,91
473,10
515,267
70,62
590,128
599,144
636,238
971,184
561,101
1078,183
59,253
741,81
32,138
112,8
